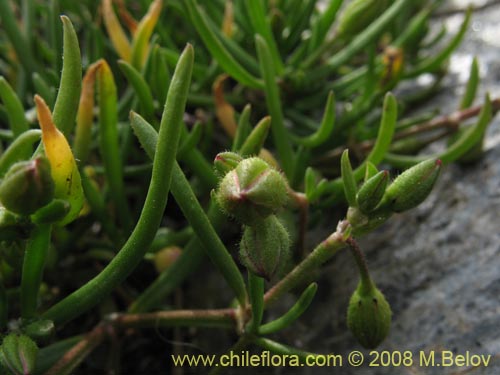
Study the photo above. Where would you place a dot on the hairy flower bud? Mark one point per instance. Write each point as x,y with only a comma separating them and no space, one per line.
27,186
264,246
411,187
252,191
18,354
225,162
372,191
369,316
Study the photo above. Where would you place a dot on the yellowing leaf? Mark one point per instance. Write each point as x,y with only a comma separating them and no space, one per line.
116,34
140,42
223,110
228,21
68,185
85,114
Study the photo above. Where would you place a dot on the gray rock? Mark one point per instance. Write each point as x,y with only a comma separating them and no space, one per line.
439,264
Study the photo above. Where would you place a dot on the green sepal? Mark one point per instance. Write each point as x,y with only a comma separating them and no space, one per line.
252,191
27,186
348,179
19,354
411,187
225,162
372,191
369,316
264,247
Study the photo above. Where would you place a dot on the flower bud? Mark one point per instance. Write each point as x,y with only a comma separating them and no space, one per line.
411,187
369,316
252,191
165,257
372,191
18,354
225,162
27,186
264,246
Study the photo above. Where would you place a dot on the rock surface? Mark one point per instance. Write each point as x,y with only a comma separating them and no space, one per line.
439,264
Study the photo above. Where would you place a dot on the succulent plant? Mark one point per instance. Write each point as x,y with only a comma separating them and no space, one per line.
276,92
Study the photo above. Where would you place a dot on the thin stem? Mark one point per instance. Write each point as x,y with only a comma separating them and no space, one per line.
323,252
79,352
301,201
366,281
449,121
256,294
33,265
221,318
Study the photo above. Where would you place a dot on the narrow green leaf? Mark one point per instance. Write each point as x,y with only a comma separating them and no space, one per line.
143,234
291,315
462,145
141,88
43,89
23,145
16,37
280,135
472,85
324,22
243,128
194,213
281,349
97,204
261,26
160,77
470,137
14,108
33,265
386,130
326,127
109,142
370,171
223,57
348,179
247,60
255,140
70,86
364,38
190,141
140,42
433,63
